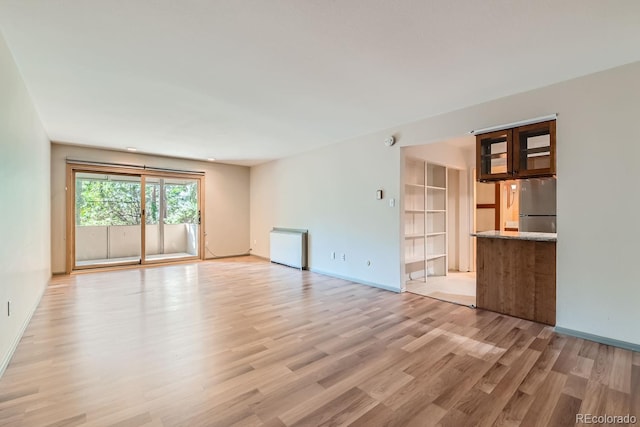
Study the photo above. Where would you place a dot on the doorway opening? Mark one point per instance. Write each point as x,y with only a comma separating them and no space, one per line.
121,217
439,206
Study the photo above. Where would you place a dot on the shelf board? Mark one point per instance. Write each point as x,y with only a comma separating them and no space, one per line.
438,233
414,260
435,210
413,236
431,187
540,151
435,256
414,211
414,185
502,155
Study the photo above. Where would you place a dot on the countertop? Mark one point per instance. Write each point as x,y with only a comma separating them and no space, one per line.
518,235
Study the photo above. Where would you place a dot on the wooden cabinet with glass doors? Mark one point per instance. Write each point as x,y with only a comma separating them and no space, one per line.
521,152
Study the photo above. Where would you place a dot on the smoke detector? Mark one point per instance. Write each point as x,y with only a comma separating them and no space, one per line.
389,141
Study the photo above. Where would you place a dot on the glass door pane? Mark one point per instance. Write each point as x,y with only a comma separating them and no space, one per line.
535,153
107,219
172,218
494,156
494,152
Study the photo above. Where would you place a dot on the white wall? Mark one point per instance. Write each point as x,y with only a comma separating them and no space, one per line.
226,197
452,153
331,191
24,206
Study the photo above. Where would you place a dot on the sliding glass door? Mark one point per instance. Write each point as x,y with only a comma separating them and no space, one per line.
125,218
107,219
172,218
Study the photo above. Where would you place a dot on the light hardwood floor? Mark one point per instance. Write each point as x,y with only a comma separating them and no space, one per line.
244,342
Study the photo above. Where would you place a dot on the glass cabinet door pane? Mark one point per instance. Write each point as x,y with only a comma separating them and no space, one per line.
535,152
534,147
495,154
498,158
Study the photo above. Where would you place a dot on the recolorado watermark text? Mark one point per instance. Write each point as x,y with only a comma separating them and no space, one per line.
606,419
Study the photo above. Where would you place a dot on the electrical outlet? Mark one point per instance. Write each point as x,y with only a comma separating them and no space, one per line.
343,257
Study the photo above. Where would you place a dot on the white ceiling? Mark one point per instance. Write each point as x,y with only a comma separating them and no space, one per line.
245,81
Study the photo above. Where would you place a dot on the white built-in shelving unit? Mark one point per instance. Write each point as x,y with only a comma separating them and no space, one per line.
425,220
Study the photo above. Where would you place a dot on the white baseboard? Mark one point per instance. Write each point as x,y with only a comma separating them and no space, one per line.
209,258
14,345
360,281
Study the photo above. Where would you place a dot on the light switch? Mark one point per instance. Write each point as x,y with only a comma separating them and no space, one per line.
379,195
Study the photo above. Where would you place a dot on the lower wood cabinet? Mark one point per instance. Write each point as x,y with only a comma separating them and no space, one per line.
518,278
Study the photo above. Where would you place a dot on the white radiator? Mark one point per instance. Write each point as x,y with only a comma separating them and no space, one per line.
289,247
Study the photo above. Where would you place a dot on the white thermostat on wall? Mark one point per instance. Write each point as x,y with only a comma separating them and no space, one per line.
389,141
